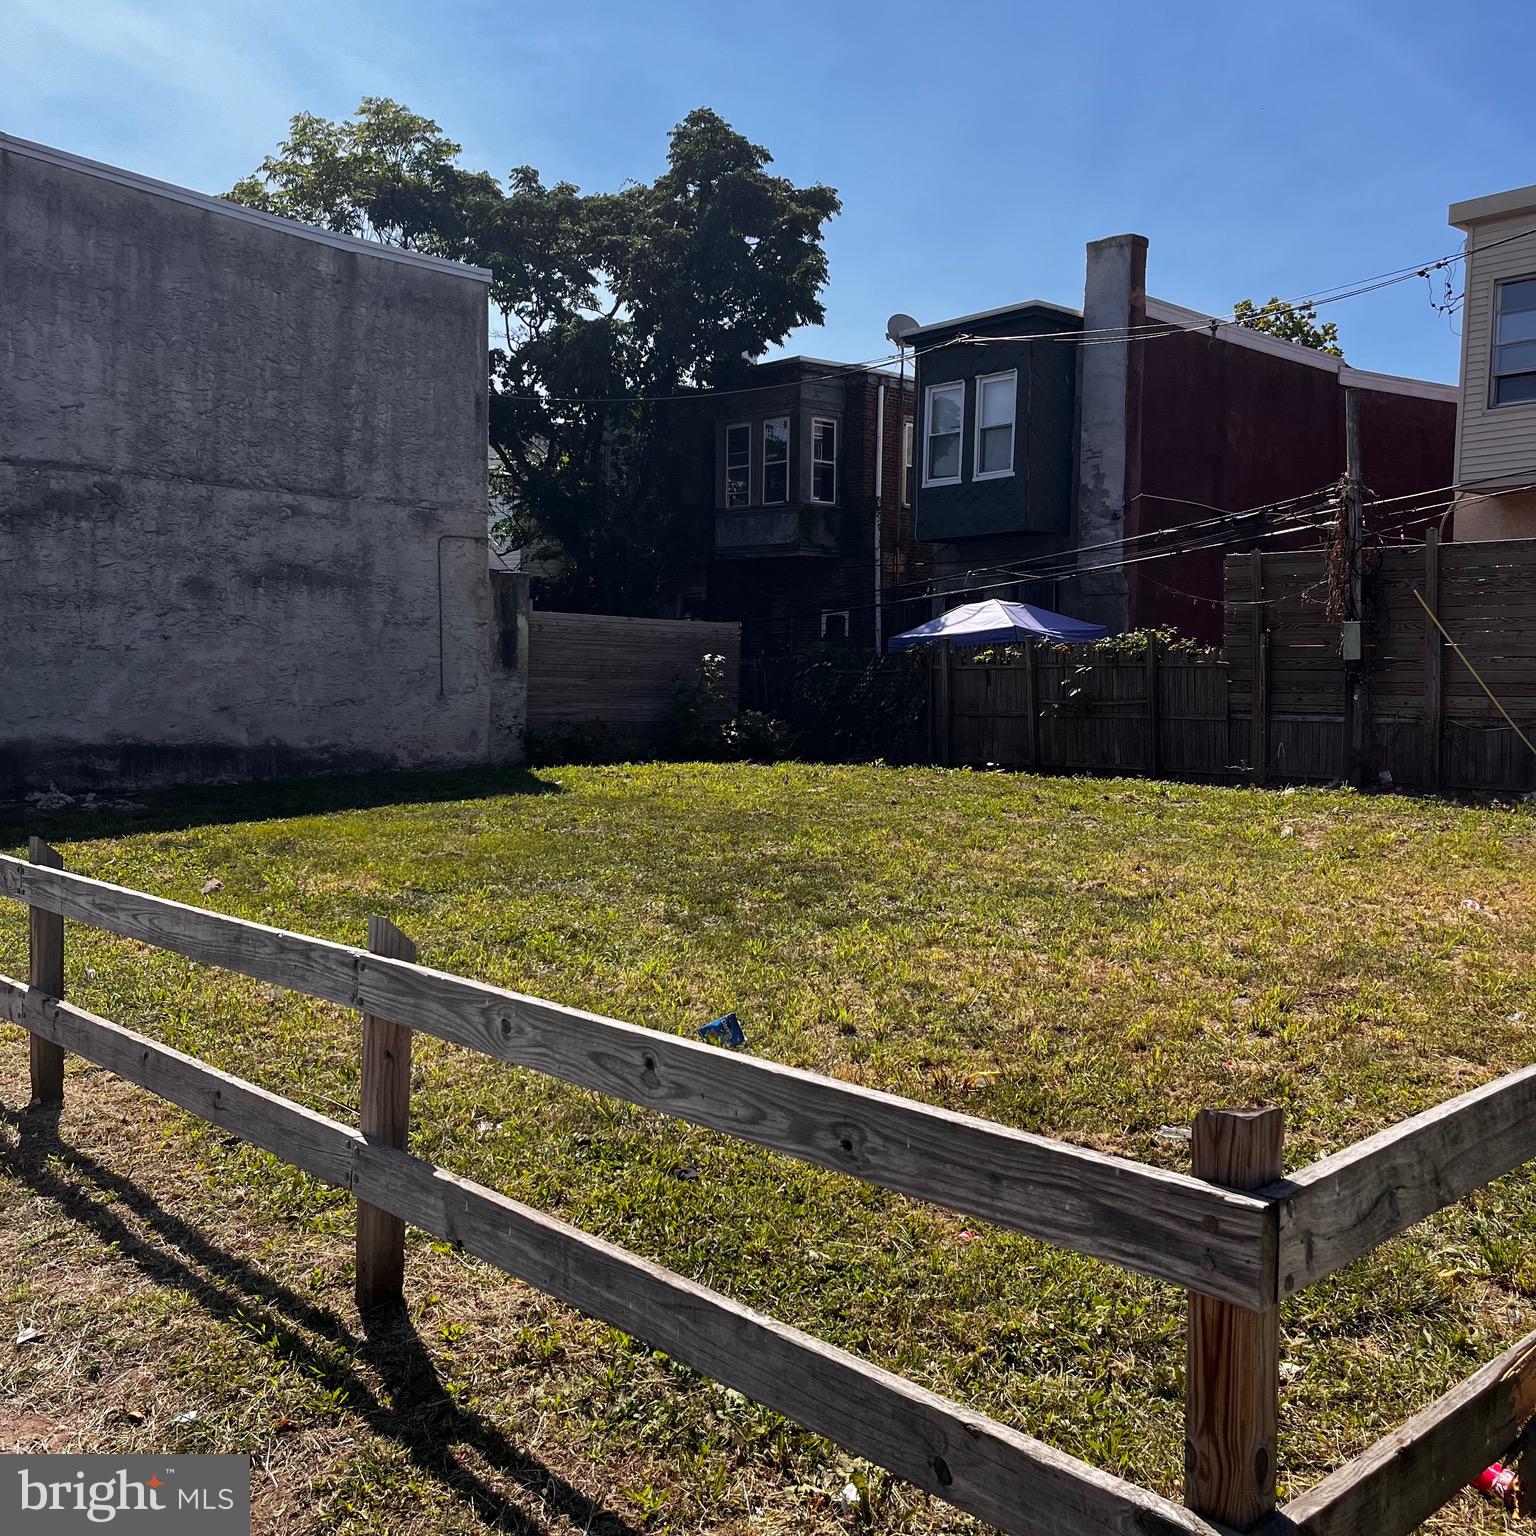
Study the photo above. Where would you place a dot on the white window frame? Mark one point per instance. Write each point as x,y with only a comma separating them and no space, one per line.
725,478
1494,375
778,501
908,448
824,421
949,385
982,380
836,613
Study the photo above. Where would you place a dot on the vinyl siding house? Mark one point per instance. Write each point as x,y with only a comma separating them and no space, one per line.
1496,422
1048,445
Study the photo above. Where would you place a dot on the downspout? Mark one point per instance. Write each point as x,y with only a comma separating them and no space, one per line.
879,508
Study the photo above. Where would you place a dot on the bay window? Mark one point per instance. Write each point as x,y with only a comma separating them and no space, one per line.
738,465
823,459
776,460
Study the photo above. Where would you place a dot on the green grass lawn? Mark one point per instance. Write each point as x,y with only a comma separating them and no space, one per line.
1093,959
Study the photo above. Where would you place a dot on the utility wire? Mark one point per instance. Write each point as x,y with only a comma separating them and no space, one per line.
1096,336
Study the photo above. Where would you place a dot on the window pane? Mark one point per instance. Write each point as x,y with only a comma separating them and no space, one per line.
996,450
775,482
776,440
823,482
995,406
738,466
1516,296
945,407
1520,326
1520,358
1519,386
824,440
944,456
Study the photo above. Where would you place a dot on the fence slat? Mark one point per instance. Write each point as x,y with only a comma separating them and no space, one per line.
1397,1484
1346,1204
1005,1477
45,971
1147,1219
384,1113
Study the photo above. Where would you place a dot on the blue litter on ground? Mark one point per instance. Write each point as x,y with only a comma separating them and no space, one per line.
726,1030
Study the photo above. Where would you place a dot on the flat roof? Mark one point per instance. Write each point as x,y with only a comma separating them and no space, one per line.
994,314
221,205
1496,205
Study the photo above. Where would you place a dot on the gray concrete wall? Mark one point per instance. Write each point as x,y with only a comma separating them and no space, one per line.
242,492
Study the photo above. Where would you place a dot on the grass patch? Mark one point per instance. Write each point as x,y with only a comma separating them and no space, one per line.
1093,959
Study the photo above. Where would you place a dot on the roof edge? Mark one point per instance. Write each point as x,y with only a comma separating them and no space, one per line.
1293,351
142,183
992,314
1495,206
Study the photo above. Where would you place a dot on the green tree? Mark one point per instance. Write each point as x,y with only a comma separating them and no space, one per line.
386,174
610,311
1290,322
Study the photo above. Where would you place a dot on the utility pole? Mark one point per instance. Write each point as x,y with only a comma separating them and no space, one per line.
1351,649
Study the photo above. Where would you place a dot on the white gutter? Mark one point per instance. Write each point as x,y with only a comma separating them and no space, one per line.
879,507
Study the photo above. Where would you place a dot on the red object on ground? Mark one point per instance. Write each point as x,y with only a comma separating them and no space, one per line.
1499,1482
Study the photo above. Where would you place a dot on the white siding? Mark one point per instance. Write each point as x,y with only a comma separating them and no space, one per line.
1494,445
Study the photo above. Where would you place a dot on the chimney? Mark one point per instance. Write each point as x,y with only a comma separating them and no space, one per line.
1109,424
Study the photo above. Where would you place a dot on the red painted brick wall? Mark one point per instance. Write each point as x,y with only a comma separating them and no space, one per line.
1231,427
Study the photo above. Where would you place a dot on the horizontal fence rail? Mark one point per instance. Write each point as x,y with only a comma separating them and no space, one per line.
1405,1477
1016,1482
1159,1223
1239,1252
1345,1205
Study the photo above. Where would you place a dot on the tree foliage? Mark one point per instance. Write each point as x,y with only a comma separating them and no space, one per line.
608,307
1290,322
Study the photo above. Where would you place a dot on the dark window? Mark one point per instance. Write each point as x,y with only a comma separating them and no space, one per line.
776,460
834,624
823,460
1514,349
738,465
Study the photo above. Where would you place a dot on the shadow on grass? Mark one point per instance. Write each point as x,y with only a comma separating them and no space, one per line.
420,1415
178,810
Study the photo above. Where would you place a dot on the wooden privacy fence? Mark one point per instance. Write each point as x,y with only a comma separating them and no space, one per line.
1238,1235
1423,718
1280,702
621,675
1164,712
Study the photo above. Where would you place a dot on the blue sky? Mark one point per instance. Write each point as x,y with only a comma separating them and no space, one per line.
976,146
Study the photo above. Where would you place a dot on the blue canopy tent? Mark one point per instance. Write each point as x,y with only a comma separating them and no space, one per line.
995,622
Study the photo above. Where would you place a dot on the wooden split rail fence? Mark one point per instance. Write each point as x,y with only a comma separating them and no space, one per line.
1239,1237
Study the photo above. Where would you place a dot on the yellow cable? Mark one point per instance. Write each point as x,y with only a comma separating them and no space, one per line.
1473,670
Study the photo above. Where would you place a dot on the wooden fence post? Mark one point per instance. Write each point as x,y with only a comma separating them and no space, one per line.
946,705
1232,1381
1259,749
1154,713
385,1108
45,972
1032,703
1434,662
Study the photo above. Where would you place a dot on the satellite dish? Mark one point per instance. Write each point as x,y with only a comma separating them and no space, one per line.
897,327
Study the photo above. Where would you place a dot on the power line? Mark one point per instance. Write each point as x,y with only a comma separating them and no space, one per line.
1095,336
